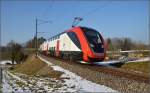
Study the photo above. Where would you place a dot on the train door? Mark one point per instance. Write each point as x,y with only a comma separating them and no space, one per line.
57,48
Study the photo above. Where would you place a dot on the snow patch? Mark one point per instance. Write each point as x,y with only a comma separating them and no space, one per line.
6,86
80,84
77,83
42,59
4,62
141,60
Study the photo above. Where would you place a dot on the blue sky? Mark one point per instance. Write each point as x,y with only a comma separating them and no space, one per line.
111,18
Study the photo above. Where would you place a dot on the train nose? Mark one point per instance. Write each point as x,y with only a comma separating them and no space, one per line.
99,55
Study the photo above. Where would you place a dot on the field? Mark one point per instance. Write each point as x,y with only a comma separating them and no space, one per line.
138,67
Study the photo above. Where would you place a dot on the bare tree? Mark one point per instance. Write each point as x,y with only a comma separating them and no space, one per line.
125,44
31,43
110,45
15,51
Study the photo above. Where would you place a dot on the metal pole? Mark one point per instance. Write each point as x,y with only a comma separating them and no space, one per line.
36,38
1,77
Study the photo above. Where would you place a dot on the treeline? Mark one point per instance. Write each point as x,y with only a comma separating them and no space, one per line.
123,44
17,52
32,43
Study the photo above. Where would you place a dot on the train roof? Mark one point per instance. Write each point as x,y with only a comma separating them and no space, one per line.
57,36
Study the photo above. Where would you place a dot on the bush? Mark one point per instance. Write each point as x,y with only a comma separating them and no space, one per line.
16,52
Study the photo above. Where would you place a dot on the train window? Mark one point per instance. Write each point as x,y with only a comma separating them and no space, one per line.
94,39
75,39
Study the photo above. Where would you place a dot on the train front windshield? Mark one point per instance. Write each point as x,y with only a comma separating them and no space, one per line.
95,40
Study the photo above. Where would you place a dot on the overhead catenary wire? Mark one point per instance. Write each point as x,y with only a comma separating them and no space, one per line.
42,21
50,6
84,15
79,19
46,11
36,33
95,10
44,14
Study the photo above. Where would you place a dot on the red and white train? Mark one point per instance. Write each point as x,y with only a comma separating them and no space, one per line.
78,43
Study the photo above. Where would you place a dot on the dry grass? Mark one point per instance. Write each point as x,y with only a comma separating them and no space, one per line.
34,66
143,67
5,56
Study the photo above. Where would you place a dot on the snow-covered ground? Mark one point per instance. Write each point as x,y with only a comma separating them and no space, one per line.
80,84
17,82
141,60
6,61
69,82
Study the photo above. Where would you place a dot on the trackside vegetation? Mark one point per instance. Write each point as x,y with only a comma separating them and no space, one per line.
34,66
139,67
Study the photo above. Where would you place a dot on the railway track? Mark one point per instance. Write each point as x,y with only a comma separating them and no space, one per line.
122,73
107,70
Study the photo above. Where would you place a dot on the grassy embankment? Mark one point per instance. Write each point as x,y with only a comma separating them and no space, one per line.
141,67
34,66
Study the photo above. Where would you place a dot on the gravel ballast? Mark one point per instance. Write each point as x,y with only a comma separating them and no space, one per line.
117,83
